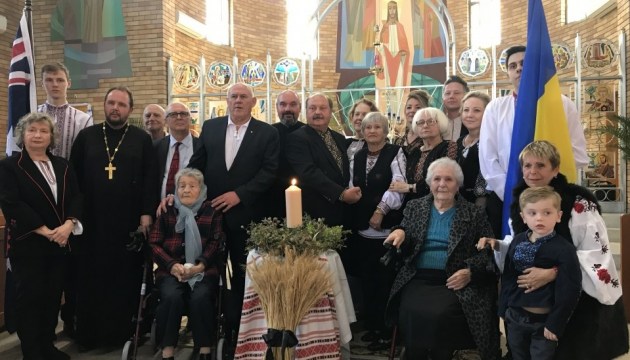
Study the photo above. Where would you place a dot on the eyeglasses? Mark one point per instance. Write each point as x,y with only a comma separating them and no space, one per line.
429,122
178,113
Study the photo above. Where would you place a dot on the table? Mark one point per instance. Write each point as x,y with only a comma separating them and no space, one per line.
322,332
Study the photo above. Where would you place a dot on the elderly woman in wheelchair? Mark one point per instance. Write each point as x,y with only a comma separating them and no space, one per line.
186,242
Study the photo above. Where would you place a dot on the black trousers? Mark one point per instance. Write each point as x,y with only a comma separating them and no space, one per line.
38,284
177,299
376,282
233,299
68,309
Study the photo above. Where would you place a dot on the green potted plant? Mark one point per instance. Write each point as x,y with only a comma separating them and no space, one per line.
619,128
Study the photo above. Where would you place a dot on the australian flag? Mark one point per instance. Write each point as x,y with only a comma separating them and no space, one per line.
22,95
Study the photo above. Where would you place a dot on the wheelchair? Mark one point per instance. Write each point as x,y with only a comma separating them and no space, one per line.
145,318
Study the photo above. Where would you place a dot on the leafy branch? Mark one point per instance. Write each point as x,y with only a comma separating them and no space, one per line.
271,236
620,128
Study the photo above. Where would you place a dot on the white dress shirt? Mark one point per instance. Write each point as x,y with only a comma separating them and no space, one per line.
233,138
495,139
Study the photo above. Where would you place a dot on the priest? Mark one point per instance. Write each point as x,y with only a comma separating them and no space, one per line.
117,171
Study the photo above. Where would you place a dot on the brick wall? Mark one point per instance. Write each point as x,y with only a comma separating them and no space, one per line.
259,27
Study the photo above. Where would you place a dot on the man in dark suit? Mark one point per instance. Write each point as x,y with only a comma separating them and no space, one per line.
288,108
179,145
239,159
318,156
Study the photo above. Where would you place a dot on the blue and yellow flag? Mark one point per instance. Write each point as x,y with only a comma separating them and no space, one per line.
539,113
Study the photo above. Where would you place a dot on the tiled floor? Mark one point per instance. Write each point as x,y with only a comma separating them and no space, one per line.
10,350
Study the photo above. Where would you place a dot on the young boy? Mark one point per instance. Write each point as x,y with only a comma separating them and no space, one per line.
536,320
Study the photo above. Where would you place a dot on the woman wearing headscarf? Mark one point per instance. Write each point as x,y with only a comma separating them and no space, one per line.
185,242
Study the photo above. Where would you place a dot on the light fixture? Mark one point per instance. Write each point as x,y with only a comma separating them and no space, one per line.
190,26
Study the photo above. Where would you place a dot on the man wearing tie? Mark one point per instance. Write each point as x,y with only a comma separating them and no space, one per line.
175,150
239,159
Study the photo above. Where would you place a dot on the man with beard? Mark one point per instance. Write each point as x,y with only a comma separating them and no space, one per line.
117,170
288,108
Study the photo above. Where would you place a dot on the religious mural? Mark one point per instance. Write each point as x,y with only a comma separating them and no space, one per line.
95,40
397,41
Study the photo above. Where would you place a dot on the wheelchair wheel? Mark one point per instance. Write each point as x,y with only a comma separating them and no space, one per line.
219,352
125,352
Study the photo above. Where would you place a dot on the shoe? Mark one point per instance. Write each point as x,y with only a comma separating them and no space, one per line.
379,345
370,336
205,357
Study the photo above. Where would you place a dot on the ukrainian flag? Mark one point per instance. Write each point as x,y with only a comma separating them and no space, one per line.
539,113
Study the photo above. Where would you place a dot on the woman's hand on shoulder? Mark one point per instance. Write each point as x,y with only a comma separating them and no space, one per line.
396,237
459,280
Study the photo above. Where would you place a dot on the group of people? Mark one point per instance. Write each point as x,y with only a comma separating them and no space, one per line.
75,195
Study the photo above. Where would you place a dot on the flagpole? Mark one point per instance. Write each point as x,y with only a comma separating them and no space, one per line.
29,22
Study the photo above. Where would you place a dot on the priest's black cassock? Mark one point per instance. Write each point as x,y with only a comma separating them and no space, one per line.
109,276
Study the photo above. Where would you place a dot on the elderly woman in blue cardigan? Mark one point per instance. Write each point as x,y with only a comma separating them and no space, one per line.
444,297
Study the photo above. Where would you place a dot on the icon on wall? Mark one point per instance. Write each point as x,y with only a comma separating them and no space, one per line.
253,73
187,76
473,62
562,55
598,54
219,75
286,72
503,60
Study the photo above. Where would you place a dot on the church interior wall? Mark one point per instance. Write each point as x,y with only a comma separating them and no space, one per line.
259,27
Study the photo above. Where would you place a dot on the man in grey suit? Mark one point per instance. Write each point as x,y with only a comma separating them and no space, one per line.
178,146
239,159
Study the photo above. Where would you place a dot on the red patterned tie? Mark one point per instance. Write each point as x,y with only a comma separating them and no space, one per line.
172,170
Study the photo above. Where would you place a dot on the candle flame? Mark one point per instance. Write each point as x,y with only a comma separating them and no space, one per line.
293,182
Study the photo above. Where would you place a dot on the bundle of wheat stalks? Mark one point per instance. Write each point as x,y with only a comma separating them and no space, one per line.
288,287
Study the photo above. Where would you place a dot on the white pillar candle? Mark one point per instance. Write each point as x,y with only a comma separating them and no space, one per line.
293,198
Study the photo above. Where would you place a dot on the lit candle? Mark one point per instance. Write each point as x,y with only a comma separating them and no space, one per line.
293,198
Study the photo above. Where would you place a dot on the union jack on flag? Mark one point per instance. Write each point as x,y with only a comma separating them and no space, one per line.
22,93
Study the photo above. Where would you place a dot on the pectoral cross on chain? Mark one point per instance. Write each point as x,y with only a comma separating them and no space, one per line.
111,170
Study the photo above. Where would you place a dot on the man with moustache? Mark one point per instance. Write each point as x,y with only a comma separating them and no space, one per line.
239,159
288,108
175,150
153,120
318,156
116,168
